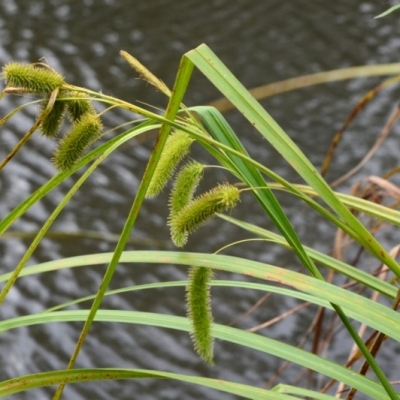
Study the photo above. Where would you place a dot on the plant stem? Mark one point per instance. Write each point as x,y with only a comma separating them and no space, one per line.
31,131
181,83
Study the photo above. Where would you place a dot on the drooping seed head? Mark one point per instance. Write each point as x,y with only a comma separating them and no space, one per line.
30,78
176,147
72,147
186,182
80,105
198,305
52,123
201,209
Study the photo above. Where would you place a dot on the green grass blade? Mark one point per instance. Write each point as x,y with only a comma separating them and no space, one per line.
348,270
24,383
302,392
249,174
299,82
233,335
223,79
25,205
220,151
378,316
27,255
232,89
215,283
222,130
365,206
389,11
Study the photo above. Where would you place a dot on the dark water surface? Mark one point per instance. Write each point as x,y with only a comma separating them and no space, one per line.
261,42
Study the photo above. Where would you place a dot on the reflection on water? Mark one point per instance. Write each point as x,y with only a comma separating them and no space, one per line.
260,42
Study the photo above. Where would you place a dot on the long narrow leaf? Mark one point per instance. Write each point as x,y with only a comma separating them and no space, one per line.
364,310
233,335
223,79
365,206
250,175
348,270
299,82
46,188
221,130
28,382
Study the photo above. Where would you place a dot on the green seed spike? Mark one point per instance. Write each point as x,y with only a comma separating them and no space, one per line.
72,147
185,184
176,147
198,304
51,125
30,78
200,210
79,106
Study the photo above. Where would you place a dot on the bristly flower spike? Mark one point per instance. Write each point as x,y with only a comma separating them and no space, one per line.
80,105
175,149
31,78
72,147
186,182
201,209
198,304
51,125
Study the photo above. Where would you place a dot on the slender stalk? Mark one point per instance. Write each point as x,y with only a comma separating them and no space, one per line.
117,102
374,348
31,131
49,222
365,351
182,80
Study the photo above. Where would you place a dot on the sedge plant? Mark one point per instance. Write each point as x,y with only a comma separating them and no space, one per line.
179,128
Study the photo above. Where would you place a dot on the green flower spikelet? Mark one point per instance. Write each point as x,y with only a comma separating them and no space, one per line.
198,304
51,125
200,210
185,184
72,147
34,79
79,106
176,147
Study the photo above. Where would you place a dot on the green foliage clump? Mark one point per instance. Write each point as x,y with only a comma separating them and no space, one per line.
187,214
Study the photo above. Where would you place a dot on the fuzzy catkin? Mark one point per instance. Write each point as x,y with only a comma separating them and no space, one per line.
198,304
175,149
52,123
72,147
198,211
34,79
186,182
80,105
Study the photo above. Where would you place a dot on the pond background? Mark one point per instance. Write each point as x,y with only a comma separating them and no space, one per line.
260,42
